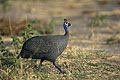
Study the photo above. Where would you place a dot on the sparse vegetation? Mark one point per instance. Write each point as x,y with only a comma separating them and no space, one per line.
29,32
5,5
113,39
78,63
98,19
79,60
49,28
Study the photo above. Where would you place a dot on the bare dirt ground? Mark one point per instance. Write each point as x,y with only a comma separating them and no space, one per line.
80,13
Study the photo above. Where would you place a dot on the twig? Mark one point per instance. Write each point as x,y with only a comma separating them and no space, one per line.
21,71
93,36
10,27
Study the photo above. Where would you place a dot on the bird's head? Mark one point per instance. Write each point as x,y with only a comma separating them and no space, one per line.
66,24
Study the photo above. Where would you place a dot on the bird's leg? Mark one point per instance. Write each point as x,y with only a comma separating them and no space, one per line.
58,67
40,64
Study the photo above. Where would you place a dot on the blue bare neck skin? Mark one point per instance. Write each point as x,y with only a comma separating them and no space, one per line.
66,29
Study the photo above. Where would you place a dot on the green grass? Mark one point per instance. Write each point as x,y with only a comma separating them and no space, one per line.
78,64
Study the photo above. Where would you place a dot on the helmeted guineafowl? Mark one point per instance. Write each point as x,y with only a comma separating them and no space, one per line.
46,47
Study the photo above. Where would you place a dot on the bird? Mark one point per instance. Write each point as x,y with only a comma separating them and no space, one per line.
47,47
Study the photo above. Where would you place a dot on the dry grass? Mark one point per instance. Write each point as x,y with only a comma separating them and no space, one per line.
78,64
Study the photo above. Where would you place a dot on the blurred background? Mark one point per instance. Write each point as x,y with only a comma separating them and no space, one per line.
94,21
93,51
